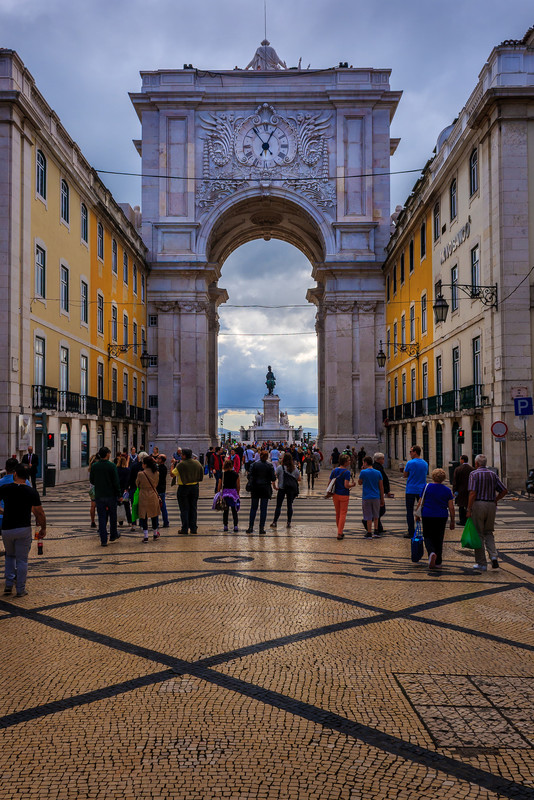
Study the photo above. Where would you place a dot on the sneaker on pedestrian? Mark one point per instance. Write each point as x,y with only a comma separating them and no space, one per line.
156,535
432,560
133,528
225,529
22,593
273,525
8,589
368,535
375,535
262,531
494,563
480,567
250,530
145,536
182,533
236,529
166,525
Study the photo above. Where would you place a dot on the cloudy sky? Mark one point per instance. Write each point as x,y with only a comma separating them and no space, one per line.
86,57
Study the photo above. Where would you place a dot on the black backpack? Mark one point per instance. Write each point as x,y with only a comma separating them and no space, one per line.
291,484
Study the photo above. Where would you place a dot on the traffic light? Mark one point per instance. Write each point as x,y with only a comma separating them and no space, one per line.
50,440
530,482
461,436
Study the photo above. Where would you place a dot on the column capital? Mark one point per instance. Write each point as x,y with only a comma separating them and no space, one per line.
165,306
366,306
335,306
193,306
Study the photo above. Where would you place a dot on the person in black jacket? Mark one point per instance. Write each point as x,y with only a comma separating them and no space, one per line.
162,487
262,480
31,460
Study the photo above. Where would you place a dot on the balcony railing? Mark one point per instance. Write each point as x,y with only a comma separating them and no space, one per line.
44,397
68,401
465,399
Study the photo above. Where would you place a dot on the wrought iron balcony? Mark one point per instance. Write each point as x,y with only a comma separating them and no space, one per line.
69,402
44,397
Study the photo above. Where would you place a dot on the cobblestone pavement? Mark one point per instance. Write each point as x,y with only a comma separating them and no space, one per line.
287,666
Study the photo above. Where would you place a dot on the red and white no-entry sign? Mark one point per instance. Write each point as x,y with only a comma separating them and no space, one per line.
499,429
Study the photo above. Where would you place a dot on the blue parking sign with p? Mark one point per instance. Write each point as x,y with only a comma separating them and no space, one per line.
523,406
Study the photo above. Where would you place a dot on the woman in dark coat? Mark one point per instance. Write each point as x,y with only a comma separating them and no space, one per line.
262,480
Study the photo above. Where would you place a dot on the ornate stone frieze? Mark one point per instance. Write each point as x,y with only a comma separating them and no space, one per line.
366,307
166,306
263,148
339,306
194,306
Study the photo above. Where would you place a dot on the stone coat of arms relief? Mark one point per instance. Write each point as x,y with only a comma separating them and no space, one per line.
266,148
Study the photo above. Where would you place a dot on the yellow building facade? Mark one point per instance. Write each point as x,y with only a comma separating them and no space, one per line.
408,346
74,272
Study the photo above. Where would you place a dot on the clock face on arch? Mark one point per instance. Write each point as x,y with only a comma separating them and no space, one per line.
265,143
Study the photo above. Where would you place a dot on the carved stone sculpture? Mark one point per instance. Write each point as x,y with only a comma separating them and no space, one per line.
266,57
270,382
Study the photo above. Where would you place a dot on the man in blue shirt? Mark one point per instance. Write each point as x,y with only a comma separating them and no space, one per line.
416,471
372,495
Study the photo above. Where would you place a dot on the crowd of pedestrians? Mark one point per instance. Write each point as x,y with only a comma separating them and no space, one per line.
132,488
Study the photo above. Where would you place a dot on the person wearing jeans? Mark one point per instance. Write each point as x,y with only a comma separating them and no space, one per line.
485,491
341,494
20,501
162,488
262,480
416,471
105,478
189,473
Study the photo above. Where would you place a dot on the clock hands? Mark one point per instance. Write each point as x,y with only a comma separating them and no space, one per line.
264,144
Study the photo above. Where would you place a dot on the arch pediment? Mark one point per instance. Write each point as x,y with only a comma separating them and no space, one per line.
250,216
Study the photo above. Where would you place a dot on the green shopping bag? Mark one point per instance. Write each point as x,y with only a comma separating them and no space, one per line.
470,537
135,506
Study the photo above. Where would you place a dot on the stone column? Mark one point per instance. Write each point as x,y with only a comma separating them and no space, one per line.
195,362
164,380
338,355
368,396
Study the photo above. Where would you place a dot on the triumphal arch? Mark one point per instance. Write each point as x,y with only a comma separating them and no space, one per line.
267,151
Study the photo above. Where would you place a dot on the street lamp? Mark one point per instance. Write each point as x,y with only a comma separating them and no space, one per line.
487,295
115,349
411,349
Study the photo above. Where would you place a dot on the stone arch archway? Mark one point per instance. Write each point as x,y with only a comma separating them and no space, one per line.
297,166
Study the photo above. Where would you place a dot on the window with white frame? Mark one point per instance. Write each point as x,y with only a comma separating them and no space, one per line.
64,369
100,314
143,340
100,241
423,314
422,239
39,361
153,361
84,376
125,328
134,337
142,288
84,302
389,394
388,343
413,389
403,382
84,223
152,401
65,214
114,256
125,387
473,172
64,289
475,270
395,340
477,363
456,368
439,376
412,323
424,379
411,256
454,288
100,381
403,329
134,390
114,323
143,393
152,320
114,387
396,390
40,182
453,200
134,278
437,223
40,271
125,267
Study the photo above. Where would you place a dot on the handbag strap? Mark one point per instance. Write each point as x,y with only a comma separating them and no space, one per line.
423,496
151,484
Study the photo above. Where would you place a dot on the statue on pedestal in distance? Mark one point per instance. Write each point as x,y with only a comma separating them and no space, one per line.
270,382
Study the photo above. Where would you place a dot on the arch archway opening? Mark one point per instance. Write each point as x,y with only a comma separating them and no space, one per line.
267,322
